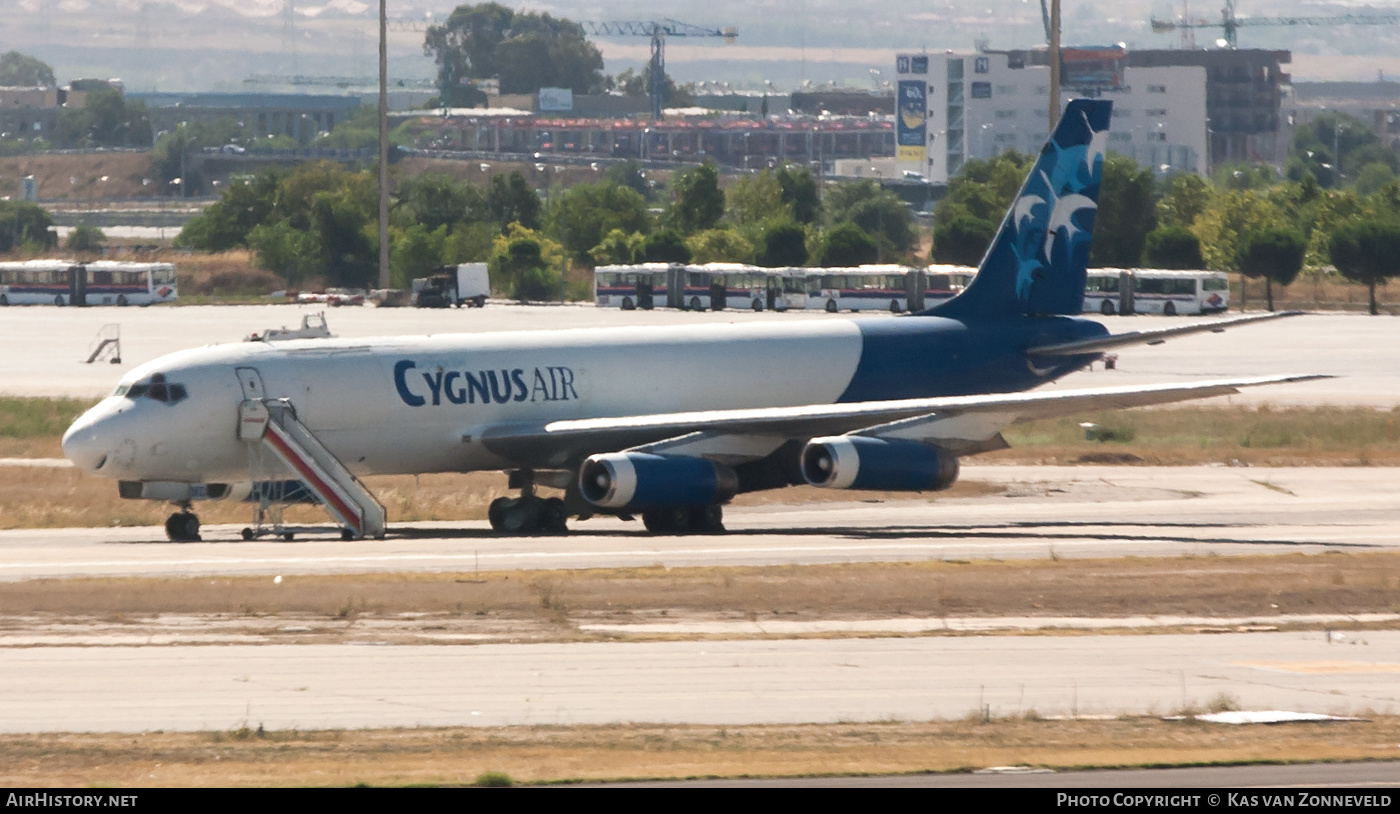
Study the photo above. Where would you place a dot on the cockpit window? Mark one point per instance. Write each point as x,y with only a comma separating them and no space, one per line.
156,389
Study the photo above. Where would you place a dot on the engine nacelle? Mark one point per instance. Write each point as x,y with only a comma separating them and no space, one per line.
857,462
638,480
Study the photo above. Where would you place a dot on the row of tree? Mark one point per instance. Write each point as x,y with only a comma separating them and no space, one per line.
318,222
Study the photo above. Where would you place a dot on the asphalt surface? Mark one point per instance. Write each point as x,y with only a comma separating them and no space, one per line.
1039,512
129,689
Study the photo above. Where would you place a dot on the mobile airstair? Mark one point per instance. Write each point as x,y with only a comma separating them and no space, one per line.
274,433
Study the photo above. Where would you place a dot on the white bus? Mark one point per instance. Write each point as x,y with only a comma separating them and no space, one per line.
629,287
103,282
866,288
1156,291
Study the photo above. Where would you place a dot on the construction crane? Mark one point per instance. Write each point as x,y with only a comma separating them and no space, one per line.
658,31
1231,24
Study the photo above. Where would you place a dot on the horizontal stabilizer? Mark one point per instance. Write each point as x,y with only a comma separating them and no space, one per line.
1099,344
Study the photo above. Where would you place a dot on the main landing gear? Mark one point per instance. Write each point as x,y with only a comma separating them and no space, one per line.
692,519
182,526
529,513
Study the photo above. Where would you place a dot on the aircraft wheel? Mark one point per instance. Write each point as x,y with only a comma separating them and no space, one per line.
554,519
831,306
247,534
709,519
182,527
521,517
347,535
758,305
627,304
1107,308
1169,310
497,510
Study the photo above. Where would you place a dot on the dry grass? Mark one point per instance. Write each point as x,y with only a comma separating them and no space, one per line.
540,754
1209,586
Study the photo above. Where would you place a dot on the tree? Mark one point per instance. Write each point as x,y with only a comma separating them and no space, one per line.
1274,254
879,212
800,193
433,200
784,244
665,246
22,71
847,244
1323,146
1229,216
983,189
1186,196
25,225
1367,251
586,213
524,50
698,202
756,198
414,250
1126,213
617,248
719,246
962,241
85,238
631,173
1173,247
511,200
526,264
292,253
106,119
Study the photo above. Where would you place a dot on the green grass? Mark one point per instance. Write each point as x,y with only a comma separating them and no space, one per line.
27,418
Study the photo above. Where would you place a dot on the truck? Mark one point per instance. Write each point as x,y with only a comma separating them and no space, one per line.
465,283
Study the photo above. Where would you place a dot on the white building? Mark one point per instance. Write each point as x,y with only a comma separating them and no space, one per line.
978,105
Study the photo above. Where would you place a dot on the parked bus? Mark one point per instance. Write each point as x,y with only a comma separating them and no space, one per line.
103,282
867,288
643,286
1156,291
944,283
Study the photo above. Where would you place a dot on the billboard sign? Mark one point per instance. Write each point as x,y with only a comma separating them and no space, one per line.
911,126
556,99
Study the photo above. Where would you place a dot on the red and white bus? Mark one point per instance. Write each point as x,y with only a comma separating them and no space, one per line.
102,282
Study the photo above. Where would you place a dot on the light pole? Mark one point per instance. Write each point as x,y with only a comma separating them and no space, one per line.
879,217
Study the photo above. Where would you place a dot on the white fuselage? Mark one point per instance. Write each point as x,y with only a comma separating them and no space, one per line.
421,404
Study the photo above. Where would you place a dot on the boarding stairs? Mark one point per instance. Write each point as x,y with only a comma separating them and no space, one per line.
272,425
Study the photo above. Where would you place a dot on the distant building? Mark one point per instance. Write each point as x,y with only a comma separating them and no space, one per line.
299,115
1375,103
31,112
957,106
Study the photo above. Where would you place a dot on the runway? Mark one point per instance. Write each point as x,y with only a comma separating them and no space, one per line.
130,689
1037,512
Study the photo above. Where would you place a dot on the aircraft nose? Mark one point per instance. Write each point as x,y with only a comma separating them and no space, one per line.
86,445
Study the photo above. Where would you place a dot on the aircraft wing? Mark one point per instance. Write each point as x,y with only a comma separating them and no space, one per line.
963,424
1100,344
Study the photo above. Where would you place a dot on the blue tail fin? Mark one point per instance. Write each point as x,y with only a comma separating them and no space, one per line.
1039,257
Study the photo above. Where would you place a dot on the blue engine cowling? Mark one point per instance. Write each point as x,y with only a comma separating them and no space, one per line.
638,480
857,462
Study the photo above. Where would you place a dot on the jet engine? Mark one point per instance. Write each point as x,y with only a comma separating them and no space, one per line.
858,462
637,480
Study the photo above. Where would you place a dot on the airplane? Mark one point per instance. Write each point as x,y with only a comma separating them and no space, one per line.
668,423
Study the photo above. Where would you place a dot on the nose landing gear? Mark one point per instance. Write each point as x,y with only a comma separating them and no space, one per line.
183,527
